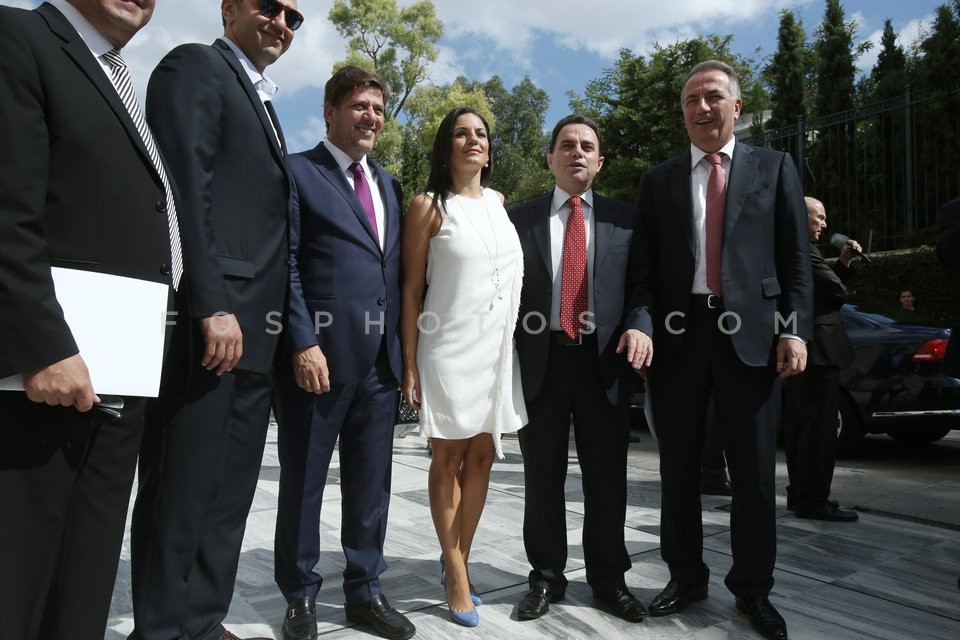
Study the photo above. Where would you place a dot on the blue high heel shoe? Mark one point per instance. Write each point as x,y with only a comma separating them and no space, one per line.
466,618
477,600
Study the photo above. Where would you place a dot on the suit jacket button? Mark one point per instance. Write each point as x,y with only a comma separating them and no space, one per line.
384,263
380,301
164,269
160,206
288,262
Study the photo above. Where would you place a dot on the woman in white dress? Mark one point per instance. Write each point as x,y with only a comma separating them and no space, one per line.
462,272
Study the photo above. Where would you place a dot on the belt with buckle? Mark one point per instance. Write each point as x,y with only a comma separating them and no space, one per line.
707,301
561,339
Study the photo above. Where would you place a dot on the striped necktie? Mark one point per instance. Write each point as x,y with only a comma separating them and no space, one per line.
124,86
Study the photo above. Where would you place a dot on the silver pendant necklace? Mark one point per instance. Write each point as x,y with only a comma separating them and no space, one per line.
492,257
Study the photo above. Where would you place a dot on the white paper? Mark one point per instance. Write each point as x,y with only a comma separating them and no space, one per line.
118,324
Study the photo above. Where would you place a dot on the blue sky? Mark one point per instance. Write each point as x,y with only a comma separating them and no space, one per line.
558,43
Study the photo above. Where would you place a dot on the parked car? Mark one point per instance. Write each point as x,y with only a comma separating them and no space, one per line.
894,385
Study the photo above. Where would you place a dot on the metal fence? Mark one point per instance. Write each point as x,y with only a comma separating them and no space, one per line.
882,170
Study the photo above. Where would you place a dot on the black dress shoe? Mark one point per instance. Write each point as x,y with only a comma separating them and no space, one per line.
764,618
226,635
720,488
300,622
381,617
829,511
675,597
536,602
622,603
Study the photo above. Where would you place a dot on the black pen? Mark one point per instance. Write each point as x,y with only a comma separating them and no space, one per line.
112,406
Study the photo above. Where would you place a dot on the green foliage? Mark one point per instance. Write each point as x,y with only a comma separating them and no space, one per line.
788,73
426,107
835,61
936,287
519,143
396,42
637,104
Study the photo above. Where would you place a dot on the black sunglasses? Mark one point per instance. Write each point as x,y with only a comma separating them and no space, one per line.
270,8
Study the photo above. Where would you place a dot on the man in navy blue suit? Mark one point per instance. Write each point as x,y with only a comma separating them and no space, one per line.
338,379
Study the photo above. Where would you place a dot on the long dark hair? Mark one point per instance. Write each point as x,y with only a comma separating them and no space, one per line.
439,181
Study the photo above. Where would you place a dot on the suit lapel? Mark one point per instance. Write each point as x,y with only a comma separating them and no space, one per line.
391,208
743,169
77,50
602,229
540,229
329,169
255,100
680,193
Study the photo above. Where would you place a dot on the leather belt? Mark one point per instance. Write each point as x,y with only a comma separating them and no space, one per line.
706,301
561,339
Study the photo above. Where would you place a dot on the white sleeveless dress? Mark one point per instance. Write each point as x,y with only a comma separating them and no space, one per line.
469,373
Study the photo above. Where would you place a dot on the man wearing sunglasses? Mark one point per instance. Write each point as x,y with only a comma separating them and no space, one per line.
210,108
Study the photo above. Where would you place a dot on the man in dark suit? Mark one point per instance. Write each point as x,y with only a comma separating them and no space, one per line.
78,189
722,264
211,109
948,250
810,399
575,246
337,381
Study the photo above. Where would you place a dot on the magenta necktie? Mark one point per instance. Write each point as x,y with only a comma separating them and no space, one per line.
363,193
716,201
573,287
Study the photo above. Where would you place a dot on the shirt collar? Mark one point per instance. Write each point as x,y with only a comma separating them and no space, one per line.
265,87
97,44
560,197
697,154
343,160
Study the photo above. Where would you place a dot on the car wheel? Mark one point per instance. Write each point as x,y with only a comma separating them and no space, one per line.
918,436
849,427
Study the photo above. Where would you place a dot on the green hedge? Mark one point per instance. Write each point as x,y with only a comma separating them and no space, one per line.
936,287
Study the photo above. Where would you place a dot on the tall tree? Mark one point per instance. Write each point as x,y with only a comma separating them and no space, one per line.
936,111
637,104
888,78
398,43
835,60
832,155
787,73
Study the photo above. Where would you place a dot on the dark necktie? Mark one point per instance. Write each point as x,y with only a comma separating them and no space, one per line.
363,193
716,202
276,124
120,77
573,290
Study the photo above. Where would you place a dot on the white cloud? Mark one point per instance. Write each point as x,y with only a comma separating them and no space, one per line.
603,27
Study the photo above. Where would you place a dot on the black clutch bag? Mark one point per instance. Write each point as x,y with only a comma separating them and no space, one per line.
407,414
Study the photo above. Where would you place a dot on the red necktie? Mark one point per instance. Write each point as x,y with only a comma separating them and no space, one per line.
573,292
716,201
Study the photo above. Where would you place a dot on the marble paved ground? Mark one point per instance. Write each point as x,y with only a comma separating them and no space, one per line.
877,578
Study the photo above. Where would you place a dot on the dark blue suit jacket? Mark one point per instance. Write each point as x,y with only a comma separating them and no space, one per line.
344,290
765,263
